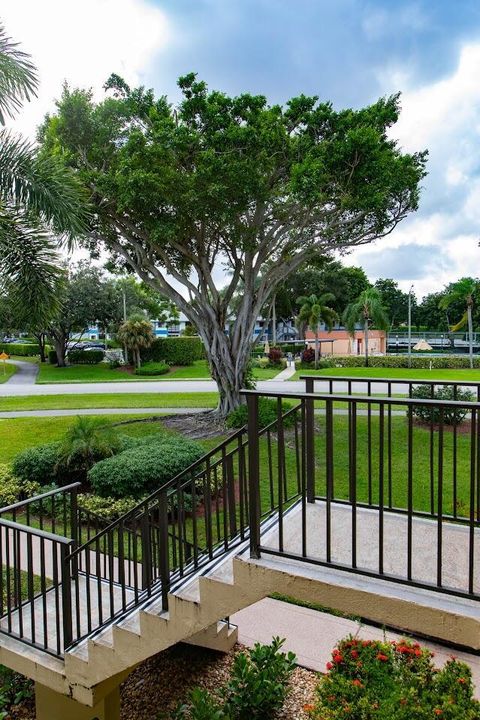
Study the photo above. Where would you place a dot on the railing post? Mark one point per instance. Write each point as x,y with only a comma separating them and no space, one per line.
66,580
253,476
163,549
146,550
310,440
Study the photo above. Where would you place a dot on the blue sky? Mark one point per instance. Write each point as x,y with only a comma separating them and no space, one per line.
347,51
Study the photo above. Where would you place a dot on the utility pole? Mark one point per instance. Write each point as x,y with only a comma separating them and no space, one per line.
410,326
125,349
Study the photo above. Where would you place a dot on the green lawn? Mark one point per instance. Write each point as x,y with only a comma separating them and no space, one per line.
6,371
21,433
103,373
106,400
396,373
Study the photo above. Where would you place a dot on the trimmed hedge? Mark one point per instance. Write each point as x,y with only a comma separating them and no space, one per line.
143,469
21,349
401,361
85,357
451,416
37,464
153,368
174,351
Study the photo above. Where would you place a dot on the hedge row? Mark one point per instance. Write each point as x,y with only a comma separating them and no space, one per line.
175,351
85,357
25,349
401,361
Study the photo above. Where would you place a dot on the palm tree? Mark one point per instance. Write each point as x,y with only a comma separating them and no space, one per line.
366,310
38,197
136,334
86,442
462,291
313,311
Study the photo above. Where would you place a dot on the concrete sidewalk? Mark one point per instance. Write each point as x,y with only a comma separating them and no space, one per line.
312,635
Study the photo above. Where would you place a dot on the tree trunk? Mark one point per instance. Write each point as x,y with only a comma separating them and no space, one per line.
470,334
274,321
59,344
138,359
316,346
41,340
365,334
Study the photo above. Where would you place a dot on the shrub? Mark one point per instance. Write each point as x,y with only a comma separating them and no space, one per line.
14,689
275,355
106,508
21,349
85,357
258,685
322,363
256,690
10,486
444,362
308,356
392,681
143,469
153,368
174,351
52,357
451,416
267,414
260,362
37,464
86,442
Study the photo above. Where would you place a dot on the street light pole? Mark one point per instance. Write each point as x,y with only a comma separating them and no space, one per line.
410,326
125,349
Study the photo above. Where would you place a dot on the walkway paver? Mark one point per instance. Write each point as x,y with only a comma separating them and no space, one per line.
312,635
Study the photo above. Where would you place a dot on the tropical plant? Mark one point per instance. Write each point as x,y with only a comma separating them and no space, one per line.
136,334
367,310
232,181
86,442
39,196
313,311
463,290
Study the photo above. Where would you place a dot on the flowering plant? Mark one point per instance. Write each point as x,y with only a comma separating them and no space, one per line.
371,680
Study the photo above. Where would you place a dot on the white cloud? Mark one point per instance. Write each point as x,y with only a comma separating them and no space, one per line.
83,42
443,117
380,22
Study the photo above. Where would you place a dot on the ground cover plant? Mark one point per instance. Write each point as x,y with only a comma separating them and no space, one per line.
370,680
256,690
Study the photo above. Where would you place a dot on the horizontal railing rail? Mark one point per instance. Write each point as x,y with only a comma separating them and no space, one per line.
349,380
396,498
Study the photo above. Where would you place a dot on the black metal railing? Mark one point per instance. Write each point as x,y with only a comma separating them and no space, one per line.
36,536
403,504
355,482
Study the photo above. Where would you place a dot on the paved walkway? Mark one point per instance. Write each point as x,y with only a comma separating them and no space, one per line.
26,374
100,411
12,389
312,635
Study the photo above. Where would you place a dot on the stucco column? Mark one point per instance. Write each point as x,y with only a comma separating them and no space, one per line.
51,705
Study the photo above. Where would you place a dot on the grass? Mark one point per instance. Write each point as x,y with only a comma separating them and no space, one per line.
21,433
103,373
6,371
396,373
108,400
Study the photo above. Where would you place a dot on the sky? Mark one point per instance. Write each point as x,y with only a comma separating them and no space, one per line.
347,51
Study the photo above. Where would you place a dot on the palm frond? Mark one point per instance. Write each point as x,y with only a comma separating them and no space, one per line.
461,323
41,185
30,267
18,77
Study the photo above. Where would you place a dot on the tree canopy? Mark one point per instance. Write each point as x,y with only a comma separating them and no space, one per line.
231,182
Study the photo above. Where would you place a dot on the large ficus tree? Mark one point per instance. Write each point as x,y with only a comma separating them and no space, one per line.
230,183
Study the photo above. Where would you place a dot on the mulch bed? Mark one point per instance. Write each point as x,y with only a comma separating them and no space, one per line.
198,426
158,685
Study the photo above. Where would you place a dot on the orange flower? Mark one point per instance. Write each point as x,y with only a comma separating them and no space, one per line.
462,681
357,683
437,711
382,657
329,666
308,708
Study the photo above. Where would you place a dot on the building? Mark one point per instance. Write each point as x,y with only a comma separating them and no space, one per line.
342,343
